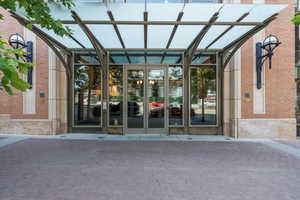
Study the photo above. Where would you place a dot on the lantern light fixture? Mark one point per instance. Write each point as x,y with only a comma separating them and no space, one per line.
268,45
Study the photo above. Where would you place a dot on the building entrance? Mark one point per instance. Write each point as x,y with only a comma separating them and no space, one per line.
146,99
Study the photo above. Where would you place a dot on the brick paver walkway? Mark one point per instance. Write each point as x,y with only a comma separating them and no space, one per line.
53,169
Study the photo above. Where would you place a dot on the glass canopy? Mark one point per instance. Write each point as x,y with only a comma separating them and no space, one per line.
136,26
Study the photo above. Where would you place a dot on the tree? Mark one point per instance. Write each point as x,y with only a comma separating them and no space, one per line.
38,11
203,78
296,18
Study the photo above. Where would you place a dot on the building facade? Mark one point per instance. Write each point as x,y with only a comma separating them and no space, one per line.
151,90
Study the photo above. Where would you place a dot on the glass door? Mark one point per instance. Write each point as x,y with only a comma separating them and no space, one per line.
145,99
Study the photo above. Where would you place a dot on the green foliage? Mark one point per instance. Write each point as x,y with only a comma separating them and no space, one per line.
10,68
39,12
296,19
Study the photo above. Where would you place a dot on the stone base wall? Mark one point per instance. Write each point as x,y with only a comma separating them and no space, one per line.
267,128
30,126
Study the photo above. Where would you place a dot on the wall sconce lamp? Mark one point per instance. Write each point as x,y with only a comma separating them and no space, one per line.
16,41
269,44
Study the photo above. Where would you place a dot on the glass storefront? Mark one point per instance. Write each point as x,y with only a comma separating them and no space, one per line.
203,101
145,92
87,95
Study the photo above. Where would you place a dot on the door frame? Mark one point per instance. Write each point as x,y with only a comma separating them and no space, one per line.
145,130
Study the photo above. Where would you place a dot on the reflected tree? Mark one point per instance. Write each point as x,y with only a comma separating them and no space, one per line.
203,80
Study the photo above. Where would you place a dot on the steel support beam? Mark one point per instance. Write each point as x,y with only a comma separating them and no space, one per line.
226,30
36,30
179,17
240,41
187,23
96,44
195,43
111,17
50,43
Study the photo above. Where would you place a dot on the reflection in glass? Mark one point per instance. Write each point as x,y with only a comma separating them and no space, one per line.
156,98
115,95
175,95
86,58
204,58
135,98
87,95
203,95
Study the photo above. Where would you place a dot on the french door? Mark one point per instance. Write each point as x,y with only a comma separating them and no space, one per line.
145,105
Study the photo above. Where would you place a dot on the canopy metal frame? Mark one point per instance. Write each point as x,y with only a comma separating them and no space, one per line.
64,54
101,51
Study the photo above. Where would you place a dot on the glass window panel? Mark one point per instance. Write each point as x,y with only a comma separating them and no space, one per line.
115,95
137,59
86,58
135,98
203,58
119,59
175,95
156,98
172,60
154,59
87,95
203,100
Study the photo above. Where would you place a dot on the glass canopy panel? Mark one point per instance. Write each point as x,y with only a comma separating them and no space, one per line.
185,35
133,35
127,12
199,12
158,36
232,12
163,12
103,32
211,34
261,12
231,36
68,42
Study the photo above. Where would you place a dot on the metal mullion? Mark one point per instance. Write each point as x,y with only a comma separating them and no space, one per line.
187,23
145,34
225,31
